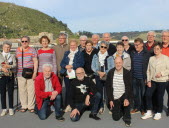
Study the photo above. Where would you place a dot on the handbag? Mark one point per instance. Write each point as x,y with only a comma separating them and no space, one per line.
26,72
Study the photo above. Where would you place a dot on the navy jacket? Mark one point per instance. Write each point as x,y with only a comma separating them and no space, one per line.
146,57
78,61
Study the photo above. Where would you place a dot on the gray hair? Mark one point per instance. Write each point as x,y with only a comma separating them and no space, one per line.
104,42
106,33
165,31
124,36
27,37
47,65
152,32
96,35
7,42
83,36
63,34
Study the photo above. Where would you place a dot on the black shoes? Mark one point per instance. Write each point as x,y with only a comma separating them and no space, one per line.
60,118
167,113
94,116
128,123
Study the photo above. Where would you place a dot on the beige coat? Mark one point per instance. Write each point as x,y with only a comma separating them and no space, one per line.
157,65
60,50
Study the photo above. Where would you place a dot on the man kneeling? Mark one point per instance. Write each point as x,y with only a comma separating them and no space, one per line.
83,94
48,89
118,87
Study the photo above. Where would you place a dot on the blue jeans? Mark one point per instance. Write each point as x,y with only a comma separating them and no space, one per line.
42,113
159,89
94,103
167,89
139,93
100,84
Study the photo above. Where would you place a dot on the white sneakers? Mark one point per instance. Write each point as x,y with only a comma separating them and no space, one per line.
68,109
101,111
157,116
5,112
11,112
149,114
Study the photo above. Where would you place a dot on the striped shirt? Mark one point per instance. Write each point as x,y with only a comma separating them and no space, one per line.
47,57
138,65
28,56
118,85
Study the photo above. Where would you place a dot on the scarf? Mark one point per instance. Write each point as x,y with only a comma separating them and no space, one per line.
71,56
102,57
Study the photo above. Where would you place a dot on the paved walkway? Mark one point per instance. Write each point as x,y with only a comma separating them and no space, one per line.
29,120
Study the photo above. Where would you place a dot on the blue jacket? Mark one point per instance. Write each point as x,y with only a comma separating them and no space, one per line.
78,61
109,64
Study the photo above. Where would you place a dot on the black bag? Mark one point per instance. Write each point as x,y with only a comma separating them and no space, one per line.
26,72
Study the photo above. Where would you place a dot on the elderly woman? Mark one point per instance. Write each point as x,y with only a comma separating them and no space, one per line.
157,76
27,65
8,64
101,64
46,55
125,56
128,48
72,60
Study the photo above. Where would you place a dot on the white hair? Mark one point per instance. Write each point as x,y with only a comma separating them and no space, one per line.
96,35
151,32
124,36
165,31
106,33
83,36
47,65
7,42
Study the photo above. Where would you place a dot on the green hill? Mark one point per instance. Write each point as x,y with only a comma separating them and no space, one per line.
16,21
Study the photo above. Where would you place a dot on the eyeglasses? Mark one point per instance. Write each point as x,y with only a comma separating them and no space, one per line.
24,41
79,73
125,40
82,40
104,47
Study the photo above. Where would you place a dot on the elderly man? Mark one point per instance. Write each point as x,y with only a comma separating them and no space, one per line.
95,39
149,45
118,86
112,49
26,73
139,63
165,51
83,94
60,49
48,89
83,40
127,47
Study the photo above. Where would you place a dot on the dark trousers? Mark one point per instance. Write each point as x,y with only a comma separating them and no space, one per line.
42,113
167,89
120,110
67,86
159,89
100,84
139,93
94,102
7,83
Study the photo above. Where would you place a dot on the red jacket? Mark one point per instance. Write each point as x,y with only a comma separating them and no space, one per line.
40,88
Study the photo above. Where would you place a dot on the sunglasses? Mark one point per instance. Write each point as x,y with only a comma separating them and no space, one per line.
125,40
24,41
104,47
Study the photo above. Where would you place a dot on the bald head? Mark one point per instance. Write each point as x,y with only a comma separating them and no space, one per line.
106,37
118,63
80,73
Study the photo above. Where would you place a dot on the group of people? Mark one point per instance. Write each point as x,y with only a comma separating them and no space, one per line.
95,74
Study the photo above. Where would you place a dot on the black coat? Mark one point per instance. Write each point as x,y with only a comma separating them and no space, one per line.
127,82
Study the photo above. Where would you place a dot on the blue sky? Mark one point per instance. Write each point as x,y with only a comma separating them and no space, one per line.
104,15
